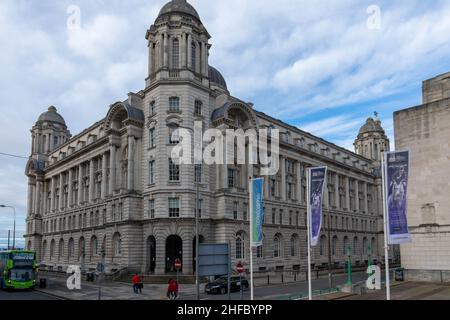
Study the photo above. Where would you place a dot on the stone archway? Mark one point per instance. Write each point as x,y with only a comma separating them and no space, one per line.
174,250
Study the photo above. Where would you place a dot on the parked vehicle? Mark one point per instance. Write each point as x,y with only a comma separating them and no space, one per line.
220,285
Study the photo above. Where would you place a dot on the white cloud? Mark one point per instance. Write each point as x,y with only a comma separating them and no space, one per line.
333,126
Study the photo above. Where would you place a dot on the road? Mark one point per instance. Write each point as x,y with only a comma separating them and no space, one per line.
272,292
24,295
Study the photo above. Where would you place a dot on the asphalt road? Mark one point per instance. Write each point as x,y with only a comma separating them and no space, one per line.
288,289
24,295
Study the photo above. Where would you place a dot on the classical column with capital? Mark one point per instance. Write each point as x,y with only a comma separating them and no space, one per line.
91,181
70,189
80,185
112,169
189,51
61,192
104,192
356,195
347,193
283,178
130,175
183,53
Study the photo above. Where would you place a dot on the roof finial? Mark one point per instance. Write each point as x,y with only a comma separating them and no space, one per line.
376,114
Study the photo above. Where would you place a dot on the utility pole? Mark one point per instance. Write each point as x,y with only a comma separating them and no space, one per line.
14,227
9,236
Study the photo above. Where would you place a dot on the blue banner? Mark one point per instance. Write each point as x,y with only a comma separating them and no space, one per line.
316,185
396,184
256,212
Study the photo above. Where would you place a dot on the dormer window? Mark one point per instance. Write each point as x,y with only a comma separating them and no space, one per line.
174,104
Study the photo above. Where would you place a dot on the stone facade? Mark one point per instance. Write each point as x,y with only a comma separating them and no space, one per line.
424,130
112,190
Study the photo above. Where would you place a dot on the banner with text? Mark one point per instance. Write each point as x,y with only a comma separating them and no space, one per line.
316,183
396,184
256,211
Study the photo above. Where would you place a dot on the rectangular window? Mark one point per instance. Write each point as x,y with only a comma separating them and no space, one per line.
174,104
174,207
151,208
274,211
244,212
200,207
272,187
231,178
151,172
289,191
152,108
198,173
281,217
174,171
198,108
152,143
235,210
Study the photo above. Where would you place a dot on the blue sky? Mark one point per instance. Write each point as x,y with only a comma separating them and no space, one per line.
313,64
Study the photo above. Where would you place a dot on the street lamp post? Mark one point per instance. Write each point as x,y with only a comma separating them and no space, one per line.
14,228
349,282
197,178
369,251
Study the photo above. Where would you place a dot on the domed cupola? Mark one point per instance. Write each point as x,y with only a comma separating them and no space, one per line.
216,78
372,140
178,45
49,132
179,6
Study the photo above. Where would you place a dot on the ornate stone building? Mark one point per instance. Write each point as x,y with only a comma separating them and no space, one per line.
113,189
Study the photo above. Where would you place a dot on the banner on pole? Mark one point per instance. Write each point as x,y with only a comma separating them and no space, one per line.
256,211
396,184
317,177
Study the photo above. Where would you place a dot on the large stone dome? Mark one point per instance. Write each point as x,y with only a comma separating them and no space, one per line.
179,6
371,126
52,116
216,77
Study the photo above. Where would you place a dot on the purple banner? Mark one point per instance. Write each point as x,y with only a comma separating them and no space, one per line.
316,185
397,171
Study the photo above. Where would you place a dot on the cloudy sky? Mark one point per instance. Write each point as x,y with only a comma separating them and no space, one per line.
324,66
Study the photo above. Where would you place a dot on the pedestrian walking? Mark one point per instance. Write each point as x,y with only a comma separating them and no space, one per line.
172,290
136,281
141,285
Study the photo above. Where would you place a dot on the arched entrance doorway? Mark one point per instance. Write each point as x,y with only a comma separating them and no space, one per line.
194,247
174,250
151,254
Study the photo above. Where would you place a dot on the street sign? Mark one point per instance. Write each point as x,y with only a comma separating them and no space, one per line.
177,264
240,268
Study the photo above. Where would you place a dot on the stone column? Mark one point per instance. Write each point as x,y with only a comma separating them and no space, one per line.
366,204
336,191
160,267
70,189
183,53
283,178
326,196
44,198
49,146
112,169
161,51
298,170
266,187
37,197
356,195
104,174
189,51
30,198
130,182
61,198
150,60
347,193
91,181
52,197
166,50
80,185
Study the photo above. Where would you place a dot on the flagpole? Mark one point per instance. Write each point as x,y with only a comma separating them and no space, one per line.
251,237
386,246
308,218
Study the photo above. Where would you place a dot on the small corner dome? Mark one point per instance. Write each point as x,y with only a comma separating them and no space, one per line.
216,77
179,6
371,125
51,115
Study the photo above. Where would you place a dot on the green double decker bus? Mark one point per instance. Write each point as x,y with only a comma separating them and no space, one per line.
18,270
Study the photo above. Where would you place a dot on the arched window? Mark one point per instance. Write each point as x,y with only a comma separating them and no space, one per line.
194,56
240,246
345,245
61,249
334,247
71,248
52,249
294,246
44,249
117,245
364,248
81,248
94,246
355,246
175,54
373,246
276,246
322,245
